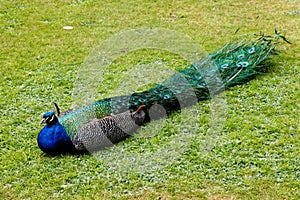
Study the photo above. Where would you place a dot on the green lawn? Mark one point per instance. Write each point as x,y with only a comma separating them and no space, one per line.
254,156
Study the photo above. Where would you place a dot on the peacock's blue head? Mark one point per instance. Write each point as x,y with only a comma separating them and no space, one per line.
49,118
53,138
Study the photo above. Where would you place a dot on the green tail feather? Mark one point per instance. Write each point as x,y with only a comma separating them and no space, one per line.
235,63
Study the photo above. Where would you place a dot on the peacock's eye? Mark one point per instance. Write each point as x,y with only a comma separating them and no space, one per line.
47,117
50,118
241,56
252,50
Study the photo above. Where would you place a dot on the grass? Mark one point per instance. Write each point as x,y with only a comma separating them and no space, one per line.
256,155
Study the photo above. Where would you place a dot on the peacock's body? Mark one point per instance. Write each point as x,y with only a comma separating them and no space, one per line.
235,63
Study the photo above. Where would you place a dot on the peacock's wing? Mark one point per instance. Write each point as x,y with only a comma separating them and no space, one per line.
93,136
101,133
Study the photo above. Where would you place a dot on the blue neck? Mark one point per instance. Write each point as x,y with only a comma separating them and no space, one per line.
54,140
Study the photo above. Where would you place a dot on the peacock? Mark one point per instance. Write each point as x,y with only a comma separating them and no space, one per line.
110,120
